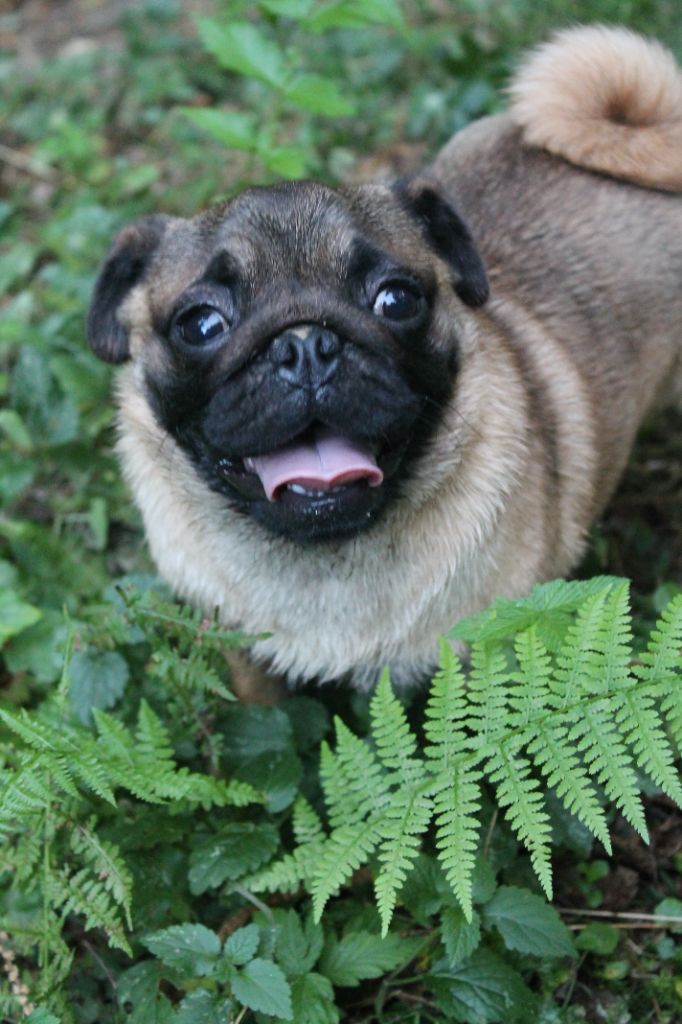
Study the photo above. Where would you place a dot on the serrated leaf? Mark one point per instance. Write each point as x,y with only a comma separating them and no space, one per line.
528,923
312,1000
203,1007
15,615
299,945
230,853
319,95
232,128
244,48
460,937
361,954
191,949
42,1016
262,987
242,945
483,990
137,991
97,681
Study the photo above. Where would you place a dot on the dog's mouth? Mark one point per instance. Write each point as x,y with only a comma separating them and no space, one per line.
326,482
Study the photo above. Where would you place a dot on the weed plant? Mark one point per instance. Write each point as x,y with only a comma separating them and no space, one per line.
167,855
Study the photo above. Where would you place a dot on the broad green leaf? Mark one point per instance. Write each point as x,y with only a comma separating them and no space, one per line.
528,923
360,955
203,1007
598,938
483,990
13,427
312,1000
250,731
460,937
237,848
320,96
276,775
288,161
38,649
97,681
232,128
42,1016
294,9
356,14
191,949
244,48
15,614
299,946
138,993
261,986
242,945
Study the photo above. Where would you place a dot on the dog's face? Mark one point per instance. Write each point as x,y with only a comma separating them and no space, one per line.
298,343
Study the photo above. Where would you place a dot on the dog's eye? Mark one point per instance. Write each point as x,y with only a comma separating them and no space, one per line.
397,302
201,325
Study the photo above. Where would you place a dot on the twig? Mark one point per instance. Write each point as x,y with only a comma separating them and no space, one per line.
652,919
28,164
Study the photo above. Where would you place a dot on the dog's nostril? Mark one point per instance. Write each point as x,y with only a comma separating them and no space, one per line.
327,345
285,351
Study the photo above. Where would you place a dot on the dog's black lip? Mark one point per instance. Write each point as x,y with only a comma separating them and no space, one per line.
232,469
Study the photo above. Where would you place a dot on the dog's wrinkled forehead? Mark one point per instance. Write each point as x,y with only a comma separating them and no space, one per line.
299,231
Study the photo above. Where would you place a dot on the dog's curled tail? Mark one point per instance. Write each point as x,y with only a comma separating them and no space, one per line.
605,99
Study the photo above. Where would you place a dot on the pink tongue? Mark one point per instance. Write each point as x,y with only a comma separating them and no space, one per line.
325,460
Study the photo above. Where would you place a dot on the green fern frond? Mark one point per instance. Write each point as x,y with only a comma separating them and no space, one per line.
662,663
297,868
352,778
457,805
106,863
488,692
84,895
345,851
396,743
404,822
518,793
547,739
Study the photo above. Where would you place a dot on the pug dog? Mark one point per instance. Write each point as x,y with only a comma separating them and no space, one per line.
352,415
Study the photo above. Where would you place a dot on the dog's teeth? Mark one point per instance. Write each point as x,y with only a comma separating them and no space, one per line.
306,492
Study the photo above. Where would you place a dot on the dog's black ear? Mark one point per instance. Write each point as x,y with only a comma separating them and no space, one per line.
120,272
451,238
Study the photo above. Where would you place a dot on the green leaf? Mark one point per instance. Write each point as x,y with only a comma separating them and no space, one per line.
97,681
191,949
294,9
360,955
138,993
312,1000
245,49
527,923
356,14
319,96
42,1016
242,945
251,731
15,615
237,848
598,938
299,946
38,649
287,161
203,1007
460,937
275,775
232,128
484,990
262,987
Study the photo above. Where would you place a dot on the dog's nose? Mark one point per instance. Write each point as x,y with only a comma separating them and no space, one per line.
306,355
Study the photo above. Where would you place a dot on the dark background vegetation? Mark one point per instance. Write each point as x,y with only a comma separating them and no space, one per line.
92,134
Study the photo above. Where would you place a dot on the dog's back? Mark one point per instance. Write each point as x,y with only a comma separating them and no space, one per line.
574,199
